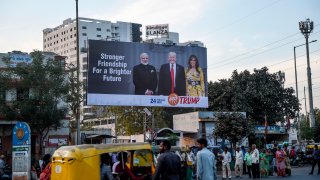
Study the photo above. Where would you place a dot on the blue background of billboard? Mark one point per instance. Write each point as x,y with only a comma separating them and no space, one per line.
158,55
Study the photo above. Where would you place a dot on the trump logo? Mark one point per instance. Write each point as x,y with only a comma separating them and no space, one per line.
173,99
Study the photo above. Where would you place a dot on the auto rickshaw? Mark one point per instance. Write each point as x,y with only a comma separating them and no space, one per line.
83,161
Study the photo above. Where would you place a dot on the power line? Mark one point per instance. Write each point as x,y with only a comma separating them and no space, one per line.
302,81
250,51
255,54
290,59
246,16
253,50
301,65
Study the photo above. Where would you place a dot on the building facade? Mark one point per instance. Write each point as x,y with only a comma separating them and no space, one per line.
63,41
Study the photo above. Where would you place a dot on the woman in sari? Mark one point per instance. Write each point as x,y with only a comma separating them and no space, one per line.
281,162
264,164
269,155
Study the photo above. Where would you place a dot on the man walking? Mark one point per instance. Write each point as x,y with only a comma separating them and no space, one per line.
316,159
238,167
226,159
206,163
169,165
255,162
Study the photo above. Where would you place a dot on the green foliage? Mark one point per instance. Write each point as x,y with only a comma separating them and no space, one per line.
231,126
130,120
258,94
42,85
317,127
309,133
74,97
306,131
173,138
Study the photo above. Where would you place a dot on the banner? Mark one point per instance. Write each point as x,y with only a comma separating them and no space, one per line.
145,74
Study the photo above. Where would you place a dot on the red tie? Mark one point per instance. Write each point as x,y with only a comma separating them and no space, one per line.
172,78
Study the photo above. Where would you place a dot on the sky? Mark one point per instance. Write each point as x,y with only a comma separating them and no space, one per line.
239,35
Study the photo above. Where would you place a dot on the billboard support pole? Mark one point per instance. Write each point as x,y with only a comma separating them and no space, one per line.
78,74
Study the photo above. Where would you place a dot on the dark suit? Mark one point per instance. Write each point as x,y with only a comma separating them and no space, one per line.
165,80
144,77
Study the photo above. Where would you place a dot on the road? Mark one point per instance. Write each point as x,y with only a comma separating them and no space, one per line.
298,173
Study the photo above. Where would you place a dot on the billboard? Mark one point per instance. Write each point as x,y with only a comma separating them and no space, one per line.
19,58
158,29
145,74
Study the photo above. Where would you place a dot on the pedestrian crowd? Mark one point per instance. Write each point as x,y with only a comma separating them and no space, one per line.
256,163
252,162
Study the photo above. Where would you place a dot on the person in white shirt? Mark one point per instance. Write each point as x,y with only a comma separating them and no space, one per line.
255,162
238,167
226,159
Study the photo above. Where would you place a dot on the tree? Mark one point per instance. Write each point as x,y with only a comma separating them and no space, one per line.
309,133
258,94
42,88
231,126
6,112
75,95
130,119
317,126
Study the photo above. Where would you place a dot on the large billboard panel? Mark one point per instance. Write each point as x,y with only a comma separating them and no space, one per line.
145,74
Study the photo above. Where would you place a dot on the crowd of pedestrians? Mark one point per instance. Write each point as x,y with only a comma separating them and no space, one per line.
256,163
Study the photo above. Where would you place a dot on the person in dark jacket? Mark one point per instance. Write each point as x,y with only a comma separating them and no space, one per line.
172,77
144,77
316,159
168,165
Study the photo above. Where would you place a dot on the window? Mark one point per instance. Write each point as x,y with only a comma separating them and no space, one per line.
98,29
70,29
84,34
84,74
108,30
71,36
98,35
84,27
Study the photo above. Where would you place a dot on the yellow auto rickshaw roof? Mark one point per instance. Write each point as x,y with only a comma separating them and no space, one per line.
87,150
311,146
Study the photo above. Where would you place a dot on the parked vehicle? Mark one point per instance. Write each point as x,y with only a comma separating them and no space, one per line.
83,161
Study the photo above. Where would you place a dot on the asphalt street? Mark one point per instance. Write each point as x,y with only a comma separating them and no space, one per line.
298,173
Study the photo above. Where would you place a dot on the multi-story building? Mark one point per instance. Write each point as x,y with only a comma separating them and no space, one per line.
63,41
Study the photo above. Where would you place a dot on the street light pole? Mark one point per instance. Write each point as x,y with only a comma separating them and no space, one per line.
78,74
306,28
296,78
